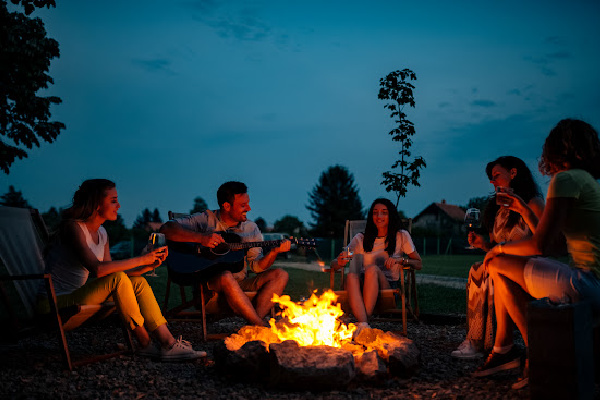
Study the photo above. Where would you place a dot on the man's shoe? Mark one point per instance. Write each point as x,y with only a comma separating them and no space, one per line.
497,362
466,351
181,351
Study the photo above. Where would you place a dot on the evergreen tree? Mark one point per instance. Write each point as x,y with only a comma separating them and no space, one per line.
142,220
156,216
261,223
52,218
199,205
13,198
333,200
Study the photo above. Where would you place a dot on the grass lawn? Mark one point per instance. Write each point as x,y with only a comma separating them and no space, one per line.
435,299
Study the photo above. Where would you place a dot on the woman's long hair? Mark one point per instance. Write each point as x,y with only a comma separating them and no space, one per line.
393,227
87,199
572,142
523,185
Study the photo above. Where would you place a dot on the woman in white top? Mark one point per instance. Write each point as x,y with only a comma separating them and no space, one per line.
80,249
381,245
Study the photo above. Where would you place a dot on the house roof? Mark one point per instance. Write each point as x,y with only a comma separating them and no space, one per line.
454,212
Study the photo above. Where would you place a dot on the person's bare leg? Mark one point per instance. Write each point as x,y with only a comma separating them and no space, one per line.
269,282
164,336
227,286
371,288
510,297
141,334
355,297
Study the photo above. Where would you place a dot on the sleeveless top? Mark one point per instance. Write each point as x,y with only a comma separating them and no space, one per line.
68,274
502,234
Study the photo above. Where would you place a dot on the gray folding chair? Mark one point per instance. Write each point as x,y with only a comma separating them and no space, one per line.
23,235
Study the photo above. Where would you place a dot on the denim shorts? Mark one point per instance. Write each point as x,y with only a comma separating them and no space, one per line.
546,277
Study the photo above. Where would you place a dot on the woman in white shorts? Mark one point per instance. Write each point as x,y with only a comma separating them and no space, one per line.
571,156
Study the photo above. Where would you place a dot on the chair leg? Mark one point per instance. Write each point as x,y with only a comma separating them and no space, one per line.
403,296
165,310
414,294
62,338
202,307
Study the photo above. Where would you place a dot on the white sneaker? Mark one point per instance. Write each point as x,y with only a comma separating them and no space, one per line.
466,351
150,351
359,327
181,351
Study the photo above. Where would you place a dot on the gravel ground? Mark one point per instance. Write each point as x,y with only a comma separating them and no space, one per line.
32,369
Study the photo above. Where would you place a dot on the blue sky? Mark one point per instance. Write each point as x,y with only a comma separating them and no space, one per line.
172,98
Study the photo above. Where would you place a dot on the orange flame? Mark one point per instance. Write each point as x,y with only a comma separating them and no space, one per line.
313,322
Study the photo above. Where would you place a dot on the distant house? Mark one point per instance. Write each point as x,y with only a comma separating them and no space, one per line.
441,219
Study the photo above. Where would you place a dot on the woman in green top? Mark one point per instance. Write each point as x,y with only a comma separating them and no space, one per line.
571,156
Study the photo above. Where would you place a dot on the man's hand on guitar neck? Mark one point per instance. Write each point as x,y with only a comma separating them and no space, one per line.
268,260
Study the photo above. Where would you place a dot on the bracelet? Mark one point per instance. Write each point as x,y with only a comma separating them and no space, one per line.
500,246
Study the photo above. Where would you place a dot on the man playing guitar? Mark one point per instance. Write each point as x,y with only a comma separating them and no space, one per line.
202,228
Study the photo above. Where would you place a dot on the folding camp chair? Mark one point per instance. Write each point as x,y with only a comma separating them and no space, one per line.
386,301
22,237
188,309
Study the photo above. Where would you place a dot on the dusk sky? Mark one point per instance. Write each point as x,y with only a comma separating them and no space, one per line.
172,98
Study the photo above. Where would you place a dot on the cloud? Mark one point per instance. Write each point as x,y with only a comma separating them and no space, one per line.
559,55
515,92
483,103
155,65
444,104
203,6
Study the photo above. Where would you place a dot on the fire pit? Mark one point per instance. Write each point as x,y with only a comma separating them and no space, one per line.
310,348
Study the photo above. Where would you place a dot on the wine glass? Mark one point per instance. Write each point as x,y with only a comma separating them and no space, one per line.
155,241
472,221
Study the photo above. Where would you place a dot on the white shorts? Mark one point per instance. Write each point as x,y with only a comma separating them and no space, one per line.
545,277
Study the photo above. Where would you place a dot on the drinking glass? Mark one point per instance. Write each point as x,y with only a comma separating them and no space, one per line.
155,241
472,220
501,198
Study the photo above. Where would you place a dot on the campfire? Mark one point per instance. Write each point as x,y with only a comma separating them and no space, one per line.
310,345
310,323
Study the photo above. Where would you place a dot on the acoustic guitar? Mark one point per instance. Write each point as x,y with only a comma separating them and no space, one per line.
189,263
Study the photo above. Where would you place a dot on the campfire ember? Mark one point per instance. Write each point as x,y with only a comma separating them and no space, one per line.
310,323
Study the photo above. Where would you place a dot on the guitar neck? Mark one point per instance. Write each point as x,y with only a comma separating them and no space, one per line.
247,245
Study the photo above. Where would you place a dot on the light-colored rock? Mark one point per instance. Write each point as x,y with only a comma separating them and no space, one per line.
369,366
309,367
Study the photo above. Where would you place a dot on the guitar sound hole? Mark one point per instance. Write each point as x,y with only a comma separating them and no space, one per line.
220,250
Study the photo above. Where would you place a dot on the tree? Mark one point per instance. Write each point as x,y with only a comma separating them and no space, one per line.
156,216
52,218
261,223
141,222
199,205
13,198
290,225
25,54
116,230
333,200
396,87
478,202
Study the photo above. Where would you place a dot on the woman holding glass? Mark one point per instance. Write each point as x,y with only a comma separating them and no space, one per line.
571,156
80,249
381,247
505,220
